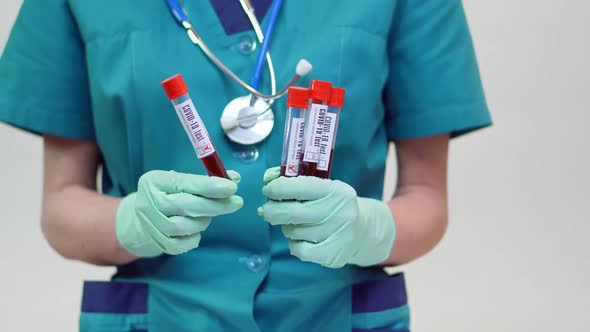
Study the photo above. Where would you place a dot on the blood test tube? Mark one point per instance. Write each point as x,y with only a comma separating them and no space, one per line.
314,122
329,131
297,101
177,92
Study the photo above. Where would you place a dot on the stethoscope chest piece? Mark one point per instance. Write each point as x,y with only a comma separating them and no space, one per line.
246,120
245,124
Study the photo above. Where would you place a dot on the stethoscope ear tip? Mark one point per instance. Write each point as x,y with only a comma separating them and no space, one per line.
303,67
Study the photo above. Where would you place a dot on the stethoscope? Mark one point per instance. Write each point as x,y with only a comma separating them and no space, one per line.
249,119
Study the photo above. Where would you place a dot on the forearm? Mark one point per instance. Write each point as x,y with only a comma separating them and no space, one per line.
79,224
419,206
420,215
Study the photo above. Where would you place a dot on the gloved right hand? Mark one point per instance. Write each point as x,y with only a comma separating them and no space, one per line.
170,210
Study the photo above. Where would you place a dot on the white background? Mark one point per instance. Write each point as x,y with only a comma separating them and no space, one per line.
516,256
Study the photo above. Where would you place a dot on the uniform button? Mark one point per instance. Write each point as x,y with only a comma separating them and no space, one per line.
254,263
246,44
248,154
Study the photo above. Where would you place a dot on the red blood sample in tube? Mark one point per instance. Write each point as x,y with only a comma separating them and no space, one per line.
177,92
314,120
330,129
214,166
297,102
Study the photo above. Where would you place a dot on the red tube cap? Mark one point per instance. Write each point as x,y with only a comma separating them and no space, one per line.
337,97
320,90
174,86
298,97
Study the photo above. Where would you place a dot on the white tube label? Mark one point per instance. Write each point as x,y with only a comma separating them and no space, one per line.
195,129
295,146
313,132
328,133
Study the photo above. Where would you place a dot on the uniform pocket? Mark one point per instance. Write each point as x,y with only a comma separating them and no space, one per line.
114,306
381,306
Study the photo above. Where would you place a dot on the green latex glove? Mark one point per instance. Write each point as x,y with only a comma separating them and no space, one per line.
170,210
325,221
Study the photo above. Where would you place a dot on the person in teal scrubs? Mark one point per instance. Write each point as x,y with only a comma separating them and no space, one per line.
195,253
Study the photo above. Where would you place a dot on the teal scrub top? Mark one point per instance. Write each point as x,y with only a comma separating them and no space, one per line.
91,70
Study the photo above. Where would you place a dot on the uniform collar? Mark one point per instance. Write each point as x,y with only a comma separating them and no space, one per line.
232,17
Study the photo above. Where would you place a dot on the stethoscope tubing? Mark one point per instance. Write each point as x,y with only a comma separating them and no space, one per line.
182,19
196,39
177,10
274,13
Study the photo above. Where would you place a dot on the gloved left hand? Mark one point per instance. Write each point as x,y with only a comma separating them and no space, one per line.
325,221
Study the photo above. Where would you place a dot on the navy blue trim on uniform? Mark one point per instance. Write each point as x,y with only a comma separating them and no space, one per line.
232,17
379,295
379,330
115,297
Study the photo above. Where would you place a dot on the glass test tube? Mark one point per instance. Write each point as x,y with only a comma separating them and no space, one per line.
297,101
177,92
314,122
329,131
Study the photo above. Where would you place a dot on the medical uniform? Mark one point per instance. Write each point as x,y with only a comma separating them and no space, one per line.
91,70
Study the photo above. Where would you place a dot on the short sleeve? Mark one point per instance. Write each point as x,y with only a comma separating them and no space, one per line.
434,83
43,77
